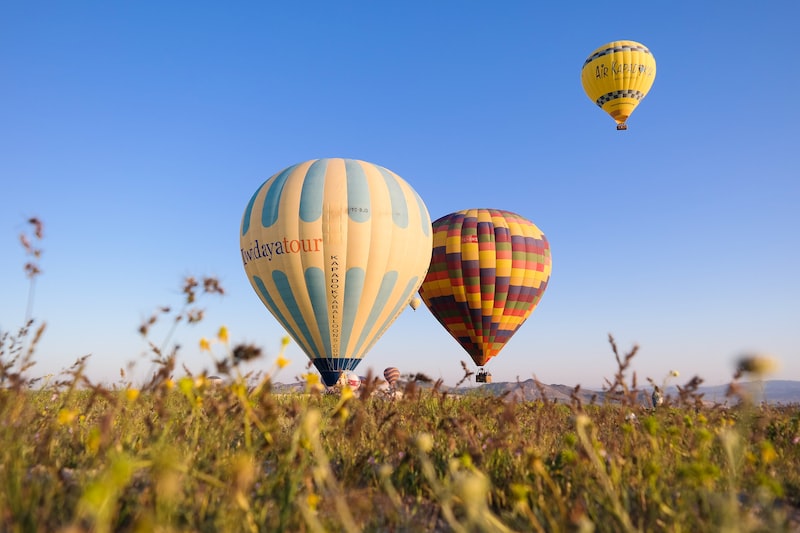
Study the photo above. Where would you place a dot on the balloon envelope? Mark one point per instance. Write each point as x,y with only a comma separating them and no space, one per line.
335,248
488,271
353,381
391,375
617,76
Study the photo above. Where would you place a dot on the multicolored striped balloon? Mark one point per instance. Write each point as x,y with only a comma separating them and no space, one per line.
335,249
391,375
488,272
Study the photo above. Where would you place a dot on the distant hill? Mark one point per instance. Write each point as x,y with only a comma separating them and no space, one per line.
774,392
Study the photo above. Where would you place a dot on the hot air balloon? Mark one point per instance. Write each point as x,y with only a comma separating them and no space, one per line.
414,303
335,248
488,271
391,375
617,76
353,380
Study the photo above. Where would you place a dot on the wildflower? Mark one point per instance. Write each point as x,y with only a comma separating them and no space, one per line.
756,364
425,442
311,379
347,393
472,488
205,345
674,373
131,394
313,501
186,385
384,471
282,361
223,335
285,341
582,421
169,384
768,453
66,416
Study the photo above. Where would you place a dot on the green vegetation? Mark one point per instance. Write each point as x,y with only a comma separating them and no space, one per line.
192,454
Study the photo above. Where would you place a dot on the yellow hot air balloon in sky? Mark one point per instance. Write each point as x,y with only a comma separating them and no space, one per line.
617,76
335,249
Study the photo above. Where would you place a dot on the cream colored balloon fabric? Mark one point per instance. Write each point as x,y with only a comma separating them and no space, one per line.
335,248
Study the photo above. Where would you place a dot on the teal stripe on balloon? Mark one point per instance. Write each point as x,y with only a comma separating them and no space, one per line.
269,214
286,294
396,196
353,287
411,288
313,191
262,289
249,211
385,291
423,215
358,204
315,282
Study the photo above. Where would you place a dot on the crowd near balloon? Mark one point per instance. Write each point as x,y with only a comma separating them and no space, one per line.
337,248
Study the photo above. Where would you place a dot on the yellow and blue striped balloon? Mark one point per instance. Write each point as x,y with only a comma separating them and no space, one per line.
335,248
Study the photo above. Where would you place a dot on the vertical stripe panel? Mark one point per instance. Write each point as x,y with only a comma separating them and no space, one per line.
358,204
313,191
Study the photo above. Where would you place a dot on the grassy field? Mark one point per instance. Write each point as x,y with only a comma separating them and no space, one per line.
195,454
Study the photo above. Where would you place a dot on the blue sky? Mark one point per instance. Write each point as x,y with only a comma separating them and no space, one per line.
138,132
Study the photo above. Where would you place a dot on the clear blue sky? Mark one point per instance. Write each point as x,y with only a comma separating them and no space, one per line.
138,131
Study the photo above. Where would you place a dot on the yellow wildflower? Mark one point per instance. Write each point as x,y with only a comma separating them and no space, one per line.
186,384
205,345
66,416
282,361
313,501
223,334
768,453
347,393
131,394
757,364
425,442
285,341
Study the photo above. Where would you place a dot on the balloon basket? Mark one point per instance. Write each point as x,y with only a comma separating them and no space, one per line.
622,127
483,377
